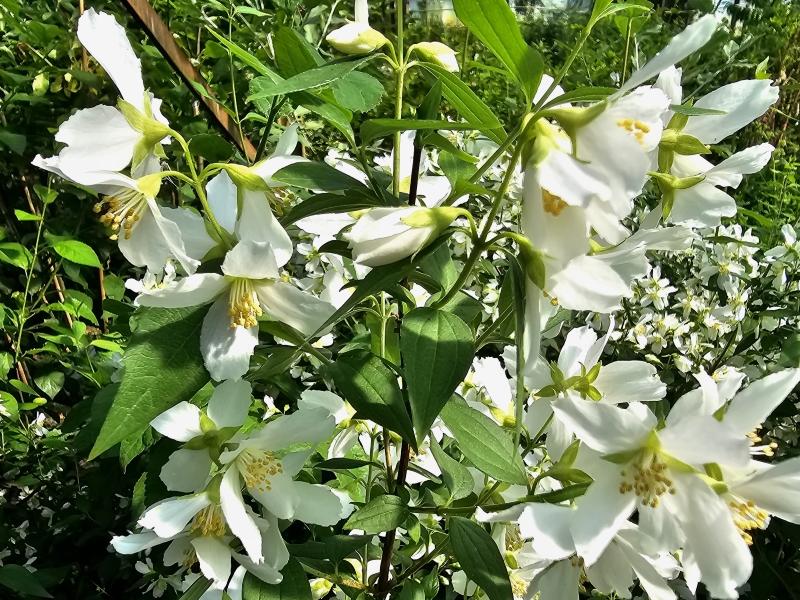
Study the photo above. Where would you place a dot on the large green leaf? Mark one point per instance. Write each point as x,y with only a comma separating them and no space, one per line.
456,476
358,91
19,579
480,558
293,54
380,514
371,387
163,366
484,442
437,349
316,176
294,586
494,23
77,252
467,102
372,129
313,78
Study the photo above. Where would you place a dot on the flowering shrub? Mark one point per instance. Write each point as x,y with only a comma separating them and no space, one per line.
522,360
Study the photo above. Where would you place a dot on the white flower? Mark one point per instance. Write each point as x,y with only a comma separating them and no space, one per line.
148,235
250,284
357,37
104,138
382,236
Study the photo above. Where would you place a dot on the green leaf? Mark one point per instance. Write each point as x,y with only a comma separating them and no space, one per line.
18,579
372,129
16,142
212,147
242,54
381,514
344,464
467,103
294,586
323,204
495,24
163,366
316,176
50,383
371,387
480,558
412,590
484,442
77,252
307,80
437,349
15,254
694,111
333,548
456,476
358,91
23,215
293,54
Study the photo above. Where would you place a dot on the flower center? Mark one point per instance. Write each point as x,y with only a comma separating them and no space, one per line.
121,211
647,478
243,306
747,516
513,538
209,522
518,585
636,127
758,449
552,203
257,467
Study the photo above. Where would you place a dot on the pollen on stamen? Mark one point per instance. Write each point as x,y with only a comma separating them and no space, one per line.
122,212
258,467
243,306
747,516
209,522
648,479
636,127
552,203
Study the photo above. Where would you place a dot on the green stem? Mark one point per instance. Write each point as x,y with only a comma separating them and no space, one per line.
628,32
480,243
29,276
564,68
565,493
400,72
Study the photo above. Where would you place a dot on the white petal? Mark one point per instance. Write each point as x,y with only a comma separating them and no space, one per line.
257,223
750,160
490,375
558,582
775,489
362,12
682,45
712,540
214,557
317,504
649,578
285,303
743,102
98,139
604,427
288,141
704,400
135,542
701,205
221,192
701,440
611,573
196,241
574,350
200,288
186,470
325,400
251,260
226,350
308,425
275,552
575,182
588,283
629,381
235,585
279,499
107,42
153,240
169,517
548,528
241,523
669,81
180,423
751,407
230,403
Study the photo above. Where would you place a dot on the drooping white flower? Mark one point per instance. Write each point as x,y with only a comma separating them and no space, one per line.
148,234
250,284
357,37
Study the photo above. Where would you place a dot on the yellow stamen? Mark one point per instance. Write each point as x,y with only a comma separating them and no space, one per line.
636,127
121,211
747,516
243,306
648,478
552,203
209,522
257,467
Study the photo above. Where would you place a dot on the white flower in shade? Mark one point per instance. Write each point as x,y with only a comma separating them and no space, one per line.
382,236
267,461
790,245
105,138
488,389
579,372
660,472
438,53
249,287
188,468
342,413
357,37
148,235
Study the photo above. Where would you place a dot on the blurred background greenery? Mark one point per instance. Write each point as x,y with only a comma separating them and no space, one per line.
60,317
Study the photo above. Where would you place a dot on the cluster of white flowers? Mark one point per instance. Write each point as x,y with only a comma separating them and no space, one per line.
667,491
